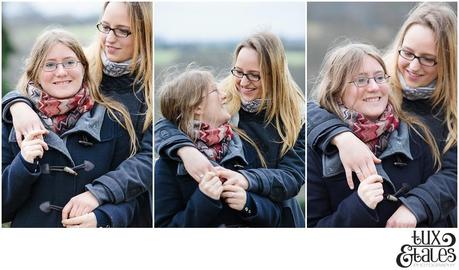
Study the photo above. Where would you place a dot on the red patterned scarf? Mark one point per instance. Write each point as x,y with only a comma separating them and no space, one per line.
375,134
213,142
60,114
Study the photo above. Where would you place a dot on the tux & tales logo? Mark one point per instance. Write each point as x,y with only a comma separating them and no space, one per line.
429,248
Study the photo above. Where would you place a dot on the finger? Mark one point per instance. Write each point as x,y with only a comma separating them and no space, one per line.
375,159
74,210
66,210
230,182
373,179
359,174
349,180
19,138
371,168
73,221
32,134
233,201
227,194
365,171
231,188
224,173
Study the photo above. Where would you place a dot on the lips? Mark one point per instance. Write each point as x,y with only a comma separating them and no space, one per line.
372,99
111,49
62,82
412,75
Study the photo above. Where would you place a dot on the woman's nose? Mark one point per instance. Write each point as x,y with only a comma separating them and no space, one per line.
414,64
60,70
244,81
372,85
111,36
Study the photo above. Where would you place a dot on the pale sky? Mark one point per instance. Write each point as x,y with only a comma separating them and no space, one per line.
204,21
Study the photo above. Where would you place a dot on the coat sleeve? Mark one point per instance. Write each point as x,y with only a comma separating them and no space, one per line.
267,213
351,212
168,139
283,182
434,200
9,99
119,215
172,210
131,178
323,126
17,179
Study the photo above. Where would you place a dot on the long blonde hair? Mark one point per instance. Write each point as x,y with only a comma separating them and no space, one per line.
287,100
34,63
180,95
337,69
441,19
140,14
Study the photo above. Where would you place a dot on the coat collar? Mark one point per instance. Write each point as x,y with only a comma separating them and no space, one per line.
399,143
235,150
89,122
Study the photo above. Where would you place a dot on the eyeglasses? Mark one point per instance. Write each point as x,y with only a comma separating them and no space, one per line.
68,64
250,76
122,33
364,81
425,61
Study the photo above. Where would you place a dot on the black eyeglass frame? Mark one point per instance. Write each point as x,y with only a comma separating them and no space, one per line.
234,69
115,30
420,58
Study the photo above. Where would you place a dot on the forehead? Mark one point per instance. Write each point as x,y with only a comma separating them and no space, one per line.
117,14
420,38
248,59
369,65
60,50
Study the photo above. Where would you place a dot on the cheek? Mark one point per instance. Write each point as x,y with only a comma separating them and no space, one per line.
44,78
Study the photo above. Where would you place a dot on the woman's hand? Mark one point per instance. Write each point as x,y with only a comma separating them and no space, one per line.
25,120
211,186
402,218
196,164
79,205
355,156
33,145
85,221
235,196
230,177
371,190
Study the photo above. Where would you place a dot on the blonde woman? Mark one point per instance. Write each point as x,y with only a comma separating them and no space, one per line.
267,105
121,62
41,173
354,85
422,66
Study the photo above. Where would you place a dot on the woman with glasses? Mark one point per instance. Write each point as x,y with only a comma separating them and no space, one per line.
422,66
41,173
121,62
267,105
193,102
353,85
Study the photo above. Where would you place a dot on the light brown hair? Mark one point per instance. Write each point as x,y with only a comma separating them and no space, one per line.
340,64
36,60
140,14
287,101
442,20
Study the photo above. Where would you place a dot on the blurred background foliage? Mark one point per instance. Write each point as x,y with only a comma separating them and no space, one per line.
23,22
